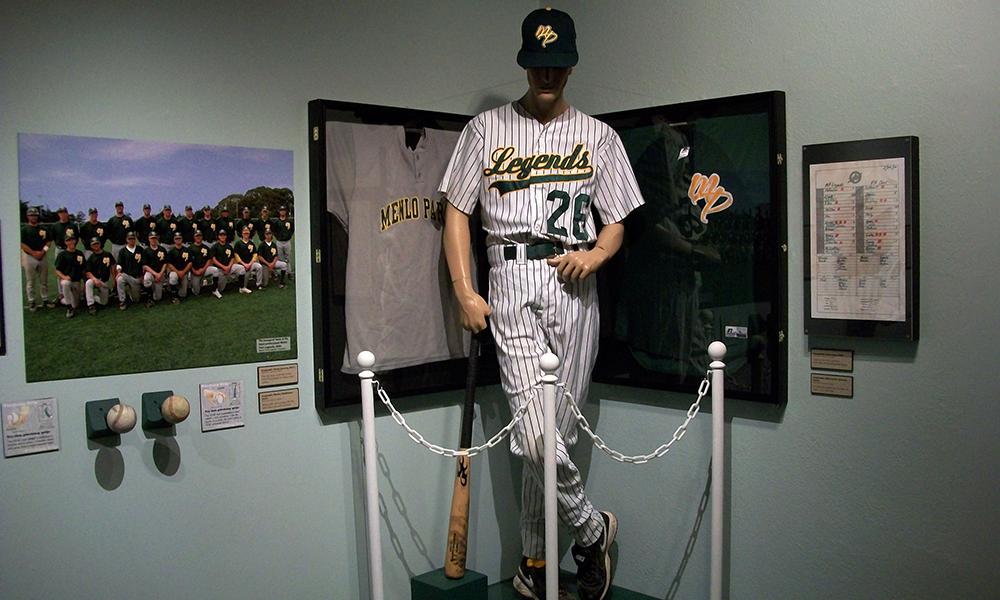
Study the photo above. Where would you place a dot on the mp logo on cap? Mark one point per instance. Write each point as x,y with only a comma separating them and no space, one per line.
546,35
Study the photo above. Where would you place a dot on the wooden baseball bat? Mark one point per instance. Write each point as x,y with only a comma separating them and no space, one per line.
458,522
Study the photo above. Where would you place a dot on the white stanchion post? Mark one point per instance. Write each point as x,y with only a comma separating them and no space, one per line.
367,360
549,363
717,351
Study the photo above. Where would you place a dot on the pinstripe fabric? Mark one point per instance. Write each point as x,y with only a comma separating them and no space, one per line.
537,182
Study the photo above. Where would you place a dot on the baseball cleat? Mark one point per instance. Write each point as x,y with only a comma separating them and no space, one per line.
92,309
593,575
217,294
244,290
32,307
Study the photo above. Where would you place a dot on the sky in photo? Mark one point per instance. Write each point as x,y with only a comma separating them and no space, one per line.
84,172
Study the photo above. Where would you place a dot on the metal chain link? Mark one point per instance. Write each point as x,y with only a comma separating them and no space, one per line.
416,437
640,458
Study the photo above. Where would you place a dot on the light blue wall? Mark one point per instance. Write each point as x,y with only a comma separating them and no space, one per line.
890,494
269,510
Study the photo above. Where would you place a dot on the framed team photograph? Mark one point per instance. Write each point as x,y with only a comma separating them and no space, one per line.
705,258
380,281
140,256
860,202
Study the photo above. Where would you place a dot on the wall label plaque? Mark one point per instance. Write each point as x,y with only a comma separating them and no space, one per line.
841,386
287,374
277,400
831,360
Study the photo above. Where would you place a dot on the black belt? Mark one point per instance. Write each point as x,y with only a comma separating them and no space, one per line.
534,250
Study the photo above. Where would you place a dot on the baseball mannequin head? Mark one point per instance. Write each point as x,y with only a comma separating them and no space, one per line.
548,54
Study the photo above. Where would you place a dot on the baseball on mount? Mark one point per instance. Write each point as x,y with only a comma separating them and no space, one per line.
175,409
120,418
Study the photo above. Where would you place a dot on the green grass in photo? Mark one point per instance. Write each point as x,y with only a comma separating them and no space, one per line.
201,331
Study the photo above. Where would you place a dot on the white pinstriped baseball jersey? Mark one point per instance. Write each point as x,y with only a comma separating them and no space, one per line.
398,304
539,181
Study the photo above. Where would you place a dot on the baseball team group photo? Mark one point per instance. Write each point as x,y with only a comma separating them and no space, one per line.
148,256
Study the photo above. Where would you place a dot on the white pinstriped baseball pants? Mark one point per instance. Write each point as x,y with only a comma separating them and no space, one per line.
534,313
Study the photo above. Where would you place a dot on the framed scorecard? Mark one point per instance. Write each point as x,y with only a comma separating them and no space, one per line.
860,226
705,258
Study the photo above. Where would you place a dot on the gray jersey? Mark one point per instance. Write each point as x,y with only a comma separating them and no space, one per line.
398,302
539,181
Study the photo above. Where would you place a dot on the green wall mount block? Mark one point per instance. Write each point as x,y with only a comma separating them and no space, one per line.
97,415
433,585
152,418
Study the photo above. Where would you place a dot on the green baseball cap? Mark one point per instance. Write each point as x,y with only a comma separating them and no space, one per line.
548,39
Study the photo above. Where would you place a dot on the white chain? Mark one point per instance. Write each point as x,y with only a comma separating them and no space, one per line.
416,437
641,458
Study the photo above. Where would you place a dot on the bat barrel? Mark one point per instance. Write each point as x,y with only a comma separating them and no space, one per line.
549,364
367,361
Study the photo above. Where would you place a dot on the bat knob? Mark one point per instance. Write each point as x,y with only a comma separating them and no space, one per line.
366,359
717,350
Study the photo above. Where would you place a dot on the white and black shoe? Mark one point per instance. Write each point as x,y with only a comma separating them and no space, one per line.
529,582
593,562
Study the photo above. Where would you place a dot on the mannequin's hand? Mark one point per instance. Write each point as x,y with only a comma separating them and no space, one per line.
474,310
576,266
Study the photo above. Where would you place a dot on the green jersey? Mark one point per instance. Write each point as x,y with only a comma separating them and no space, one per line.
188,227
93,230
166,228
241,223
246,250
199,255
179,258
131,261
118,228
99,265
34,236
223,253
59,230
282,229
227,223
71,264
267,251
143,226
207,228
155,258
